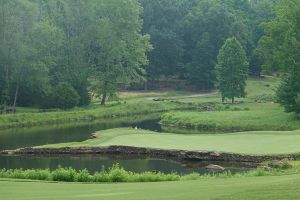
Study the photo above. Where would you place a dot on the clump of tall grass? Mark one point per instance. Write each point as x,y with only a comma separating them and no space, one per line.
115,174
118,174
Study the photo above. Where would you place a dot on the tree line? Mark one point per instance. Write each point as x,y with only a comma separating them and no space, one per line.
57,53
60,53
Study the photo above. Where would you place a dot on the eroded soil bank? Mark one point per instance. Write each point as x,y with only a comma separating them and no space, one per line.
155,153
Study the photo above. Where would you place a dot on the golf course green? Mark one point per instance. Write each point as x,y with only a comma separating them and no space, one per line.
245,188
254,143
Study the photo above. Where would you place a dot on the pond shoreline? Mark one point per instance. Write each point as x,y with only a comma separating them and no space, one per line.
156,153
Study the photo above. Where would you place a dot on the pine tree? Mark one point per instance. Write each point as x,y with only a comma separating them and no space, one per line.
232,70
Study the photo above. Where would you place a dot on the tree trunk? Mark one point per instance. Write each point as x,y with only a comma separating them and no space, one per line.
104,95
232,100
16,95
145,86
6,90
223,99
103,98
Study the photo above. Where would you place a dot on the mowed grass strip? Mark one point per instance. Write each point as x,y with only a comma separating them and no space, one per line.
262,188
244,117
254,143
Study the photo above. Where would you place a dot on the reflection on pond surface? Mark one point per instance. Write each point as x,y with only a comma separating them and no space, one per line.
73,132
97,162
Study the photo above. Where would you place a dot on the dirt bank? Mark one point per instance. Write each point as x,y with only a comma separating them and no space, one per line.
159,153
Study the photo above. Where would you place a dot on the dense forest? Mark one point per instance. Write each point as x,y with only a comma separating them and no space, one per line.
61,53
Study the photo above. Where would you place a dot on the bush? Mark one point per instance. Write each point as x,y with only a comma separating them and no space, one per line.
289,93
65,96
118,174
83,176
64,174
100,177
38,174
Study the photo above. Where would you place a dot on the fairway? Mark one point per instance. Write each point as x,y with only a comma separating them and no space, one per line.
258,188
258,143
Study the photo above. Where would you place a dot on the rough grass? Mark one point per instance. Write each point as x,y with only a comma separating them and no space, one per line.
258,142
91,112
259,188
114,174
244,117
255,112
257,89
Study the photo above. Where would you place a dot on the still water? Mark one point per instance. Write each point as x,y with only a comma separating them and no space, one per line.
26,137
97,162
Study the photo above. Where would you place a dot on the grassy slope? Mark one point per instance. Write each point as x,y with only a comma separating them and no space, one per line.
249,115
263,88
246,142
264,116
132,107
258,188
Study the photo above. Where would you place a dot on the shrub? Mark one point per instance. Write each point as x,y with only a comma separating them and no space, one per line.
118,174
38,174
65,96
83,176
101,177
64,174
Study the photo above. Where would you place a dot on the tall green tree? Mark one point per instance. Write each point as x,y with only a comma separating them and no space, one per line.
205,29
280,47
232,70
117,48
162,19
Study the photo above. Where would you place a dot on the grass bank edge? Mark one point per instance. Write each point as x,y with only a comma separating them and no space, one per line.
105,112
118,174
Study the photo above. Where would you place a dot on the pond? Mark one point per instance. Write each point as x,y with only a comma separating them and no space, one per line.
131,163
78,131
11,139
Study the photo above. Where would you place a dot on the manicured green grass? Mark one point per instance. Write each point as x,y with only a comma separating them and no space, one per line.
244,117
248,188
259,142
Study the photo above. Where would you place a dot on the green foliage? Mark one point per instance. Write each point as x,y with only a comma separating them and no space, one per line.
232,70
206,27
64,174
88,46
289,92
117,174
280,49
33,174
162,19
117,47
64,96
